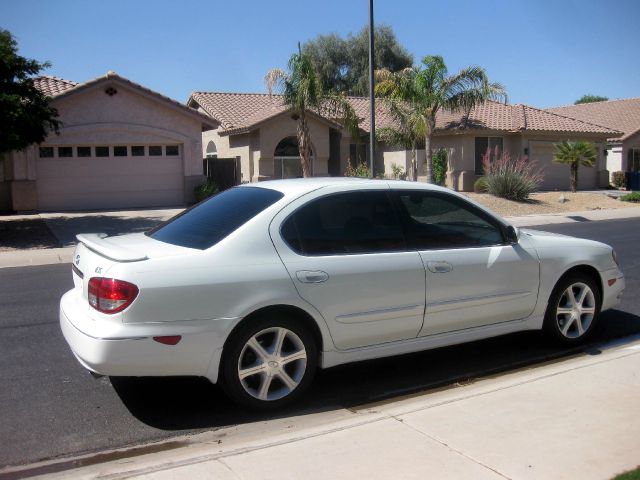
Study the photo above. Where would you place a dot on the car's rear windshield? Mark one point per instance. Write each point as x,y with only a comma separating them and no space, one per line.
205,224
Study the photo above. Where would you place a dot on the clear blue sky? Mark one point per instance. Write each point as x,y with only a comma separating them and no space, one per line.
546,52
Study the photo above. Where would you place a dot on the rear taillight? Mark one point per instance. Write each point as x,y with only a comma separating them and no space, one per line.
108,295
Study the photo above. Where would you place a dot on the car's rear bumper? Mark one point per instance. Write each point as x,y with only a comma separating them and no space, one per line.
612,288
116,349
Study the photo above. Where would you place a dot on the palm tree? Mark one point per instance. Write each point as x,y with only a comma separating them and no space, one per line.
302,92
575,154
415,95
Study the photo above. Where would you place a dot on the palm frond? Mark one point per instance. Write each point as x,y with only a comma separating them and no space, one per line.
275,80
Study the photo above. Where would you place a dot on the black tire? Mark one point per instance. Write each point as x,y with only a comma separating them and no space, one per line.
242,353
568,321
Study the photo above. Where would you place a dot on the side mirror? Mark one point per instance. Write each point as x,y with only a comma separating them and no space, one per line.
511,234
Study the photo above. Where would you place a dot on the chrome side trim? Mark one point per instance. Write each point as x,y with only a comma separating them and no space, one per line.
381,314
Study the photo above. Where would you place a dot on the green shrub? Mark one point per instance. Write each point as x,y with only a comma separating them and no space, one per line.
439,162
631,197
361,171
480,185
207,189
509,178
619,179
398,172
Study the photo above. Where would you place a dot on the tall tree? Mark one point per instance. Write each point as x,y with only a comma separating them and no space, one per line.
343,64
575,154
25,114
302,92
415,95
590,99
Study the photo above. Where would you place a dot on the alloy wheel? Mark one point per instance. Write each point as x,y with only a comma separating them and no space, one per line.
272,364
576,310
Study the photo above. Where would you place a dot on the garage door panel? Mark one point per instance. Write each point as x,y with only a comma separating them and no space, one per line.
94,183
122,183
64,168
100,200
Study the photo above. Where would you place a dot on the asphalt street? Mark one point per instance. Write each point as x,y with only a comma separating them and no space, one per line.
51,407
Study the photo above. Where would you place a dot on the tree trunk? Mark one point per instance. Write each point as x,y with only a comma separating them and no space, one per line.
574,177
428,160
414,163
304,145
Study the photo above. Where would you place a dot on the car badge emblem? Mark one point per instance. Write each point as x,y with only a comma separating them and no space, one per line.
77,259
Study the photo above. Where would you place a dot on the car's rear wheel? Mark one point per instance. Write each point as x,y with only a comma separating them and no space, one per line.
573,309
269,362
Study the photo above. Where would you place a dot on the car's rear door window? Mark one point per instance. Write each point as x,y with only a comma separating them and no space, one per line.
345,223
205,224
437,221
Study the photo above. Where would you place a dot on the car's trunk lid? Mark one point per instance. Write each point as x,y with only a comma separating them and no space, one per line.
96,253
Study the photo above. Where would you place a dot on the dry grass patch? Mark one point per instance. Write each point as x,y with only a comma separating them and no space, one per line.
547,202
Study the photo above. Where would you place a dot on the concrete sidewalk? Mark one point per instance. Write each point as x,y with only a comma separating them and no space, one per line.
66,226
575,418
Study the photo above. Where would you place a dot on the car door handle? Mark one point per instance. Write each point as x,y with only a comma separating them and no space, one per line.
312,276
439,267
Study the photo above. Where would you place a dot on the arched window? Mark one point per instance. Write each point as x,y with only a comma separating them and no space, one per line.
212,151
286,158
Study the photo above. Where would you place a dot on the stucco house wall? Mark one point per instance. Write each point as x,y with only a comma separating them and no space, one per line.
256,149
632,142
283,126
461,156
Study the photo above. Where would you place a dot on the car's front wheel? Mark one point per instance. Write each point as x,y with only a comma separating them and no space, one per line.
269,362
573,309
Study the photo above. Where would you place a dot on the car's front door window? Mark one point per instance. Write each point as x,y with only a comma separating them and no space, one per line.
436,221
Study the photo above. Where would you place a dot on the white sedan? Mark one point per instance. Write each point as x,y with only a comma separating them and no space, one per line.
260,285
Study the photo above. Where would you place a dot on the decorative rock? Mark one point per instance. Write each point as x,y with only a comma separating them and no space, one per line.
562,199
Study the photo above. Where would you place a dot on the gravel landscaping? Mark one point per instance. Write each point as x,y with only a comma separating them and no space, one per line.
548,202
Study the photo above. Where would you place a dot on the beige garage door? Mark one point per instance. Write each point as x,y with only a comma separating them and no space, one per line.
556,175
91,182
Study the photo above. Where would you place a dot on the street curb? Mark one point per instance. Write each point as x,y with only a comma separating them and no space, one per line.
28,258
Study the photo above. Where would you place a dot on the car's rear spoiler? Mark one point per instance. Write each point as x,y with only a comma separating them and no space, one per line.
99,243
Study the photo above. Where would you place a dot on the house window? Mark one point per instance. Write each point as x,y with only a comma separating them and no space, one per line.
171,150
102,151
46,152
137,151
84,151
65,152
119,151
155,151
287,162
634,160
212,151
482,145
358,153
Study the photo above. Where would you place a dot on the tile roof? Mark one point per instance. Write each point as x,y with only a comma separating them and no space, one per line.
241,112
58,87
235,110
621,115
53,86
515,118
